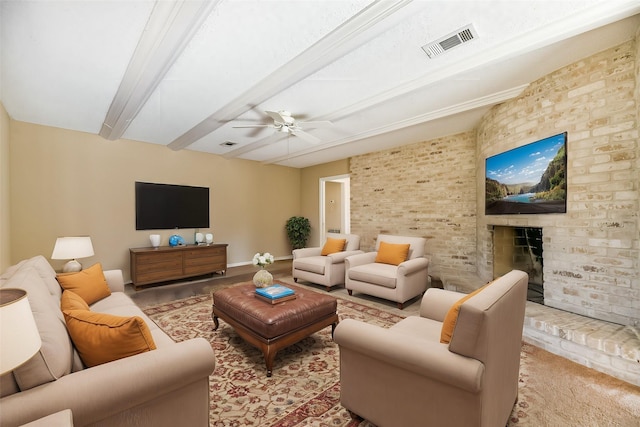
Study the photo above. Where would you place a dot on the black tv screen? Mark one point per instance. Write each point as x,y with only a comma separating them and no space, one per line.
166,206
531,179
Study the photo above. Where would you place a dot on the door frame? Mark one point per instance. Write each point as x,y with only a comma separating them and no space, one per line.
345,211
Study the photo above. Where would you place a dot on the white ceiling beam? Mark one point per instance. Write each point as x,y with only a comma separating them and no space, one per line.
171,26
484,101
339,42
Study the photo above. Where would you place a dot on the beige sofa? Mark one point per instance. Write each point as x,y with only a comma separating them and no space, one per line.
327,270
167,386
404,375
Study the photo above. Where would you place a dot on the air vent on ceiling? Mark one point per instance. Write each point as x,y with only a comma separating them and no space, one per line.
448,42
229,144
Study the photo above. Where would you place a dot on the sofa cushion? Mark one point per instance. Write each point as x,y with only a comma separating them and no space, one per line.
72,301
54,358
392,253
90,283
102,338
332,246
450,320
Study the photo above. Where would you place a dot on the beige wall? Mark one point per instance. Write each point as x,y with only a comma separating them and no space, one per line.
310,193
5,189
67,183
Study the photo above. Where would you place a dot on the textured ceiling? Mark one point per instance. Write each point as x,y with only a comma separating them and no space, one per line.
185,73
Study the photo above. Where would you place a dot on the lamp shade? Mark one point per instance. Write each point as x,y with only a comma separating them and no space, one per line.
72,248
19,336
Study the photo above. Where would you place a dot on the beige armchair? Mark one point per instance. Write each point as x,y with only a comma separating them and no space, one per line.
404,375
400,282
328,270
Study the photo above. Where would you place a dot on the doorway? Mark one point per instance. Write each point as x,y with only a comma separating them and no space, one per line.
335,212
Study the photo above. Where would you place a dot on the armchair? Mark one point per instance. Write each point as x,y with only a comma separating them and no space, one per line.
397,283
328,270
405,375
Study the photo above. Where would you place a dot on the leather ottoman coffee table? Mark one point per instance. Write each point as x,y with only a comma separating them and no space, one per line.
271,327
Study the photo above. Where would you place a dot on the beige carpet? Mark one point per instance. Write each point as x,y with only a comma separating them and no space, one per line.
305,390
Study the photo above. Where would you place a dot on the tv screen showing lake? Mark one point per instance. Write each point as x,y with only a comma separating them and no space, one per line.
528,180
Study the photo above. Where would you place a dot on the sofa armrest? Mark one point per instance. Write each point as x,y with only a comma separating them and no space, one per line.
306,252
114,280
410,266
436,303
360,259
339,257
433,361
104,390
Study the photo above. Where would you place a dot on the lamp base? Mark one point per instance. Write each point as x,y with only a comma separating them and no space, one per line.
72,267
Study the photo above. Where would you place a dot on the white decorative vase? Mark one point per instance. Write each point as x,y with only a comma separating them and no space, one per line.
208,238
155,240
262,278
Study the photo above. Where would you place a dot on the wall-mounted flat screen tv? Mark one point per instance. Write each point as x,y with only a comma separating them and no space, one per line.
167,206
531,179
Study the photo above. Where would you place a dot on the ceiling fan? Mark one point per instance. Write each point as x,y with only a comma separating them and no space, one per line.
283,121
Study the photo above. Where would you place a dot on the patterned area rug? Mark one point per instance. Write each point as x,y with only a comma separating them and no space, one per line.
305,389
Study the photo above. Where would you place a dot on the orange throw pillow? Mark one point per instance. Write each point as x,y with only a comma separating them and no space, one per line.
332,246
72,301
101,338
392,253
90,284
450,320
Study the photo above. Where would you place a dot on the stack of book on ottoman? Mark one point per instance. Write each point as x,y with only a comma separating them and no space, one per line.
275,294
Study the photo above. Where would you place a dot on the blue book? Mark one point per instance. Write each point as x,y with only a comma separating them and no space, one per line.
274,291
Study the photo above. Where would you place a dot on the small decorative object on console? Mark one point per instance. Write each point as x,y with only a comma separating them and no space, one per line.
208,238
176,240
155,240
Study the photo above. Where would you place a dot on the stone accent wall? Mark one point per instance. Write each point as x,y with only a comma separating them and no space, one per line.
435,188
425,189
591,253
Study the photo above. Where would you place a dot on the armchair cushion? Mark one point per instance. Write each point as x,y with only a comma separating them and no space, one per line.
392,253
90,283
102,338
313,264
377,273
332,246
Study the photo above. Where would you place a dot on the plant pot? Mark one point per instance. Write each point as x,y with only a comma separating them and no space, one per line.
262,279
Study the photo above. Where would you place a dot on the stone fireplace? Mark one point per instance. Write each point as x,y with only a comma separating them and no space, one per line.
520,248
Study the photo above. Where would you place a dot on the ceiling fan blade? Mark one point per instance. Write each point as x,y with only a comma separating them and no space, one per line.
252,126
277,117
305,136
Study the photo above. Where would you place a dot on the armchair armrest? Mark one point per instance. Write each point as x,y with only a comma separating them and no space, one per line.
431,361
120,385
412,265
360,259
339,257
306,252
436,303
114,280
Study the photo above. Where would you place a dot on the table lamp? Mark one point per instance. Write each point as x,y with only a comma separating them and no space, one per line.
19,334
72,248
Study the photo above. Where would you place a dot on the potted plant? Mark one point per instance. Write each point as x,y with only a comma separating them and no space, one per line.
298,230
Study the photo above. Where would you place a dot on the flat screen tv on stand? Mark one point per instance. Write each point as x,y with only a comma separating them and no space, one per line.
531,179
167,206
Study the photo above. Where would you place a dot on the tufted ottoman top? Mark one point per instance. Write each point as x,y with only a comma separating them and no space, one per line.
273,320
